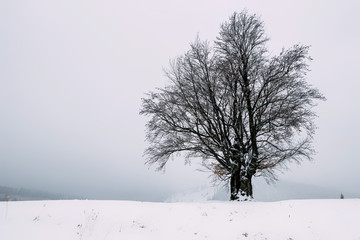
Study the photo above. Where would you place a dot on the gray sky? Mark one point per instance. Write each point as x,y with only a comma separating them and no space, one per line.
72,74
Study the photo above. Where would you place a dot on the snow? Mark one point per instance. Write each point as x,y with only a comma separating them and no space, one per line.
83,219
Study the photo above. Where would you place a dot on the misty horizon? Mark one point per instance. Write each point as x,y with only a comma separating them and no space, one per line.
72,75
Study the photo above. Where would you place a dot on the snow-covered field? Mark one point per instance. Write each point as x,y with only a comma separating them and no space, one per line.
100,220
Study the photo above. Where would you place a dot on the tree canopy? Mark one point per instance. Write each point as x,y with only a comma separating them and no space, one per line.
241,110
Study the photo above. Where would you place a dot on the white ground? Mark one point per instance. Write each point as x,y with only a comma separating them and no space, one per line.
100,220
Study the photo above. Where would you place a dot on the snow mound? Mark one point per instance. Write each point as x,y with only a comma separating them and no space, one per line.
94,220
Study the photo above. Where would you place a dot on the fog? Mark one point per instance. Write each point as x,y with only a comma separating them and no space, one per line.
72,75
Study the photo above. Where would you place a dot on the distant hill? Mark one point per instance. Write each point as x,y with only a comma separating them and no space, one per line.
22,194
287,190
281,190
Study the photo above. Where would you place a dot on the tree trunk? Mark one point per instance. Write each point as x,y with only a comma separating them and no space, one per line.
235,184
240,186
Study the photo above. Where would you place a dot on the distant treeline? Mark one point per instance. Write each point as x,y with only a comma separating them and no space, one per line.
22,194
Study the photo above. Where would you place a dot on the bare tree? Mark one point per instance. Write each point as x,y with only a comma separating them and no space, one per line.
243,112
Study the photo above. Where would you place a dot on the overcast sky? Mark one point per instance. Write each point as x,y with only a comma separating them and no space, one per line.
72,74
